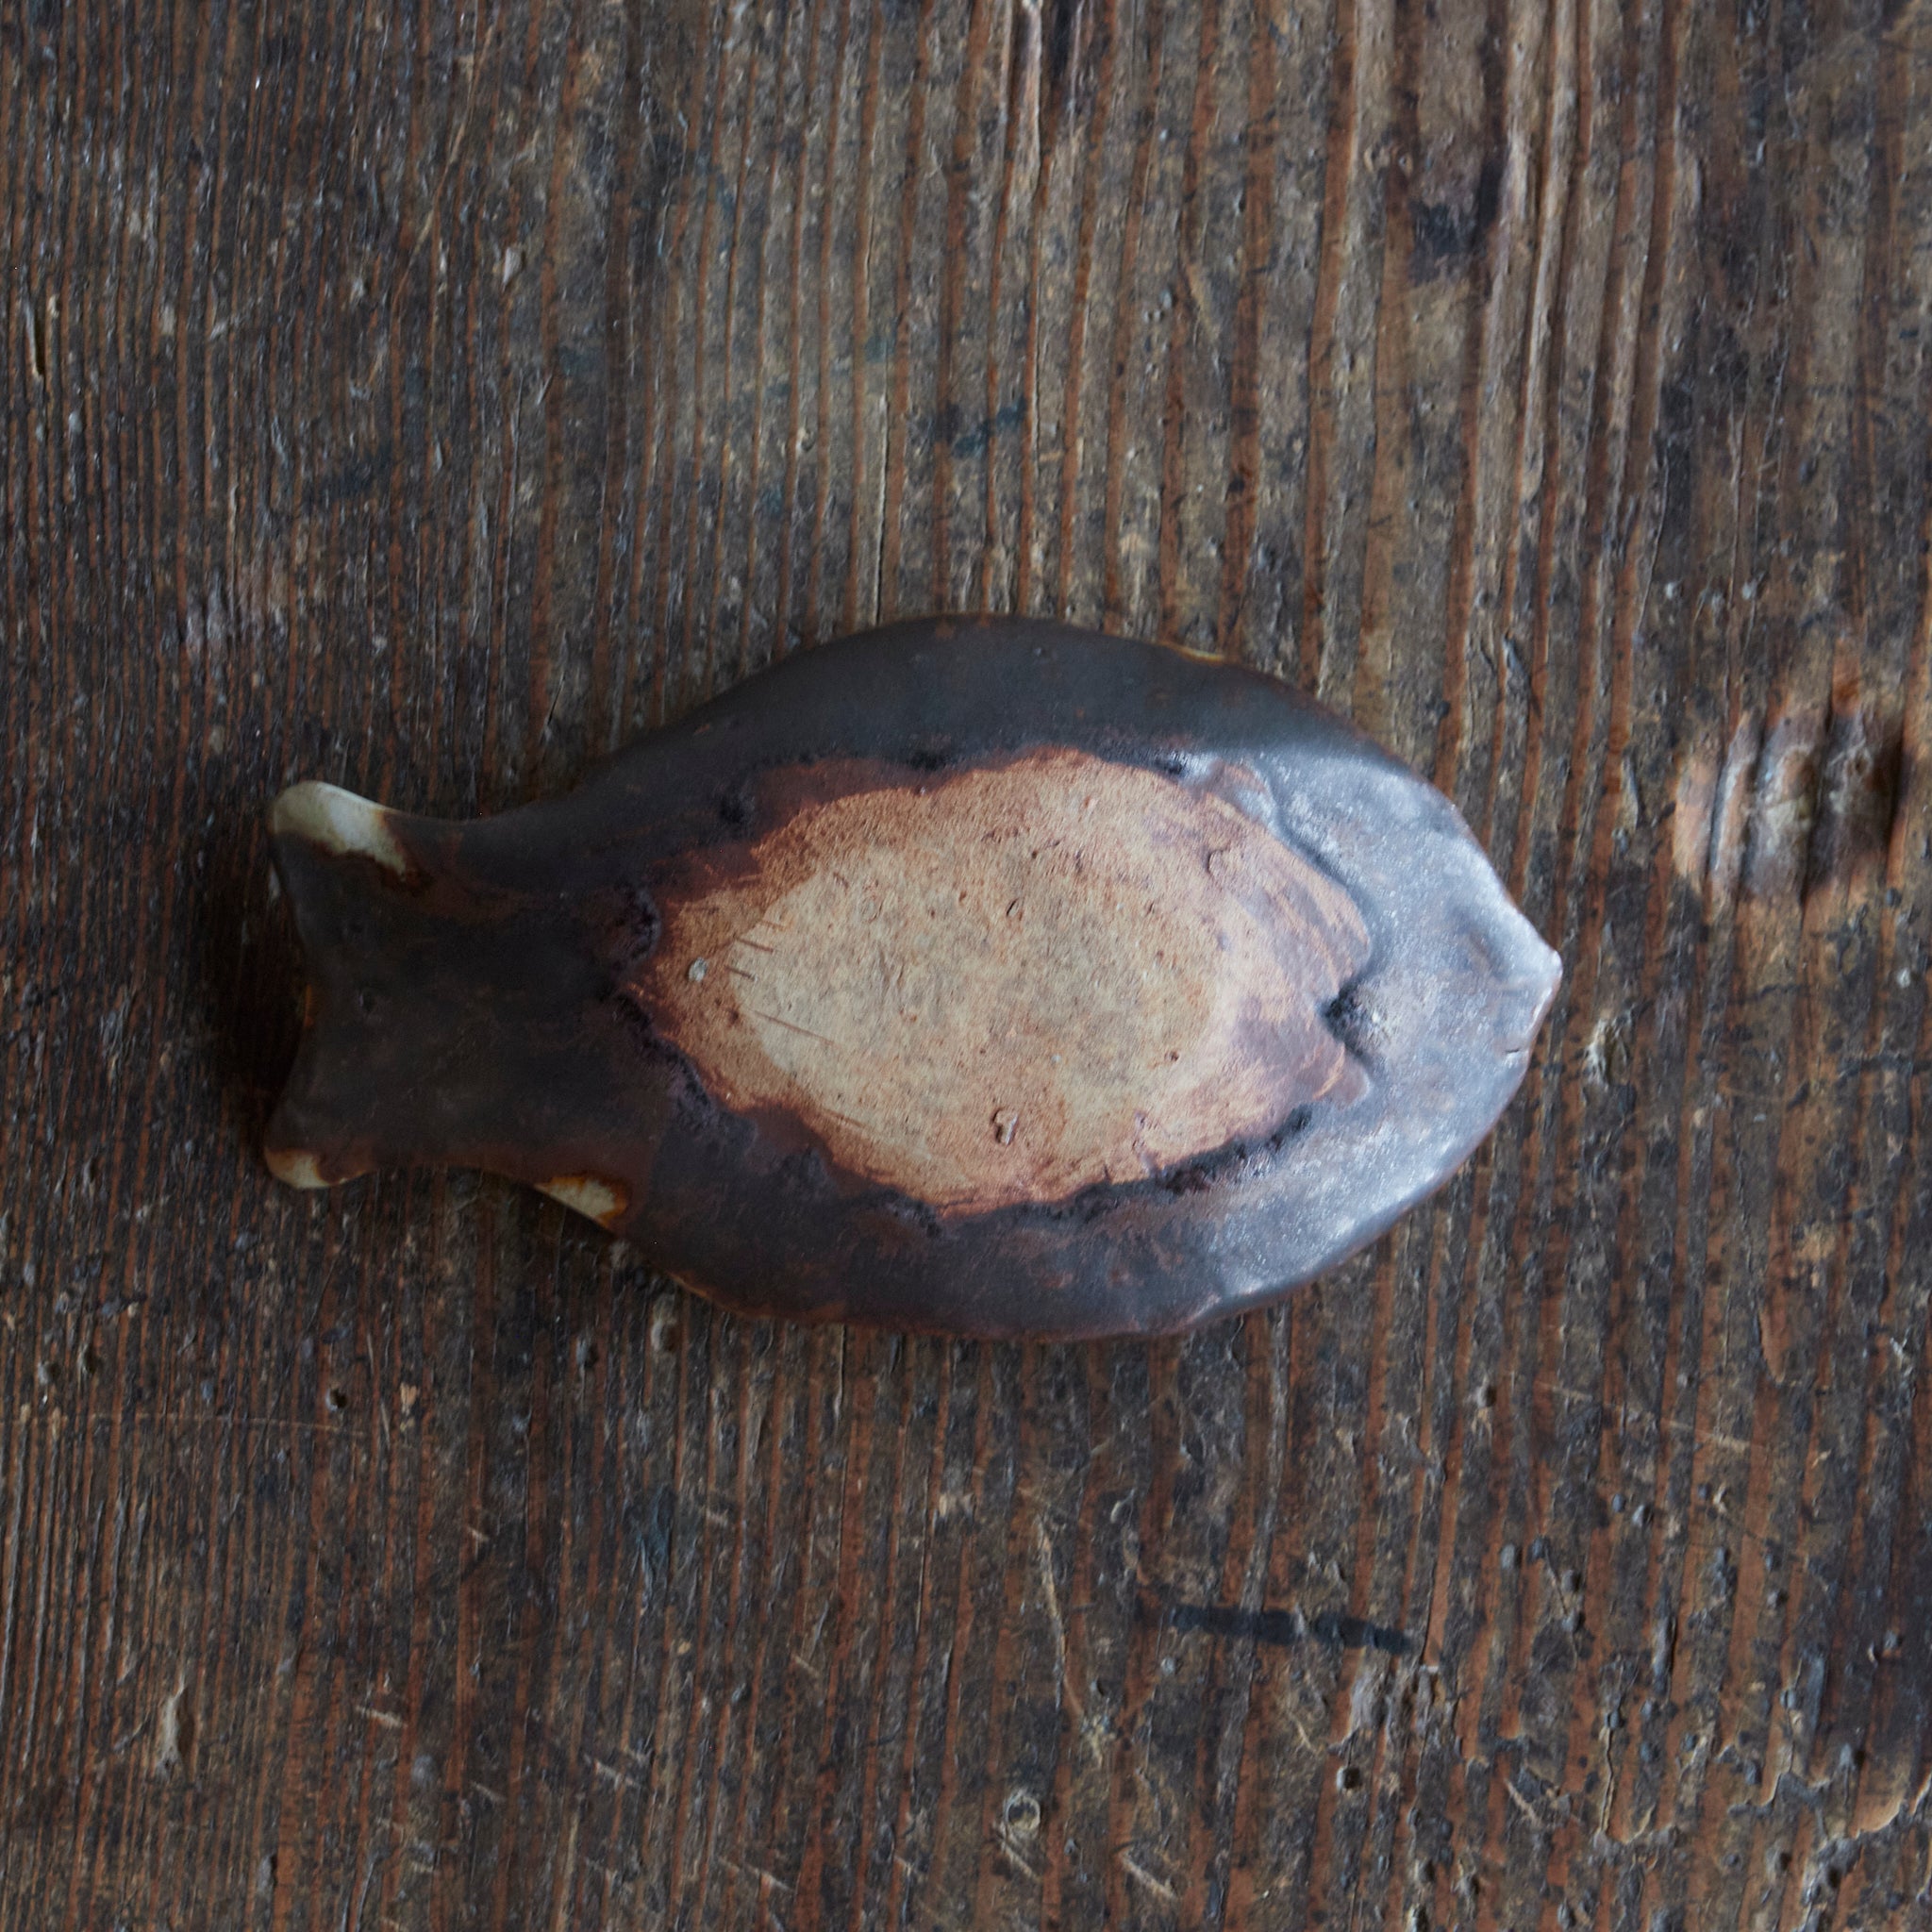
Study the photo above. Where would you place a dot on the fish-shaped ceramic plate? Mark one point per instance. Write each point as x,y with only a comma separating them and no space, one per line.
983,976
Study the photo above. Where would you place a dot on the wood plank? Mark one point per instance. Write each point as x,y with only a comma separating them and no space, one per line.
430,399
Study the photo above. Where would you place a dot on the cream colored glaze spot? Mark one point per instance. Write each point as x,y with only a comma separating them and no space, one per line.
339,821
295,1166
599,1199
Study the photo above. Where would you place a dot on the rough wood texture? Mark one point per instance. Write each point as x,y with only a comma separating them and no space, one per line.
429,399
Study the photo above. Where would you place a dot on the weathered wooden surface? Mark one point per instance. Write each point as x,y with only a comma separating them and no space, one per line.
426,400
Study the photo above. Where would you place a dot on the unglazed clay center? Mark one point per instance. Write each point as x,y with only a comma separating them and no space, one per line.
1016,982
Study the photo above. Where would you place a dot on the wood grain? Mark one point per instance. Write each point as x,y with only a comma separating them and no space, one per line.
428,398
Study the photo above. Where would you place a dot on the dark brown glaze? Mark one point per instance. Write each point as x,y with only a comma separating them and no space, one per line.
976,975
